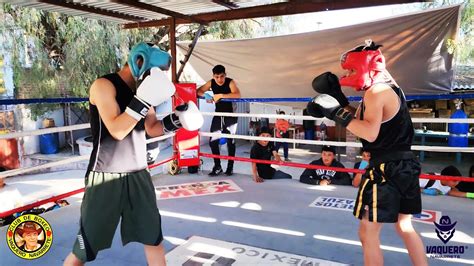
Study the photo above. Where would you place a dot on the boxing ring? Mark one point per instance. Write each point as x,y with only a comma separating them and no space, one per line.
233,220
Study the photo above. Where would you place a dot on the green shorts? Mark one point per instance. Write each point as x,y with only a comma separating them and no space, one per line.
109,197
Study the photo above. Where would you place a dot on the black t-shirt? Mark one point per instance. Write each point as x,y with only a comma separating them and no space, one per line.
260,152
313,177
221,106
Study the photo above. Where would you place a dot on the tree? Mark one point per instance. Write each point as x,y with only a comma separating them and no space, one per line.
56,55
464,46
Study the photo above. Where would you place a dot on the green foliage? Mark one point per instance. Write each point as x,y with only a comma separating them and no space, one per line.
55,55
463,48
233,29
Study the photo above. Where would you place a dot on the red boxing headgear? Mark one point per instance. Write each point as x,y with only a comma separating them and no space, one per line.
364,62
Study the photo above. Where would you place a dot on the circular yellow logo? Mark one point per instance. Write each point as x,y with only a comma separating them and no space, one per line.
29,236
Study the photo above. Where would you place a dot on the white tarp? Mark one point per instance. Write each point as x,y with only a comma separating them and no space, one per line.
414,46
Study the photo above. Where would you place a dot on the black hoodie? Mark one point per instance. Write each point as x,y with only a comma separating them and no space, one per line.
313,177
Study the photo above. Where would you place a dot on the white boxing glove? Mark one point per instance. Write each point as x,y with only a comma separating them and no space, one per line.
186,115
153,90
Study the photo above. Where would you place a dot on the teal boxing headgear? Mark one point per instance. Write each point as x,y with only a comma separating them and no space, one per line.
151,55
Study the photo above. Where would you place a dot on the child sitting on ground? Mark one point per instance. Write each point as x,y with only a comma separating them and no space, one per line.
263,150
444,187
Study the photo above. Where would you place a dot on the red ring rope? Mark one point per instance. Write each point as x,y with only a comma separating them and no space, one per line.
62,196
337,169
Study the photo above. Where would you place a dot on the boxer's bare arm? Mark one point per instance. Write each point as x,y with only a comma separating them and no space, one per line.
153,126
369,128
102,95
201,90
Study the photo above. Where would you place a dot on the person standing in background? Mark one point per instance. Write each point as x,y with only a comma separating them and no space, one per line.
281,131
222,87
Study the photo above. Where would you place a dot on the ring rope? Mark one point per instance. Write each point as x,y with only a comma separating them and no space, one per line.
337,169
48,130
280,99
160,138
42,100
64,195
333,143
304,117
66,161
44,166
355,98
291,164
19,134
161,162
40,202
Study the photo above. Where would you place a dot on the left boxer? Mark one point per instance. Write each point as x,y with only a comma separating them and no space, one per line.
118,183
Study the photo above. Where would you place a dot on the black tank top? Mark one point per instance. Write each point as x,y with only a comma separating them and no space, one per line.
111,155
221,106
395,134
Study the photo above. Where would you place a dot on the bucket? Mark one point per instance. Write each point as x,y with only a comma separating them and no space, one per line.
85,145
49,143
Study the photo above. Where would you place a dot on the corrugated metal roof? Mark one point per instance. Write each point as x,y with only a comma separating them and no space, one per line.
464,78
186,7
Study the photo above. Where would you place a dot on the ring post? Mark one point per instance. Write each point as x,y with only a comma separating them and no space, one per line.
186,143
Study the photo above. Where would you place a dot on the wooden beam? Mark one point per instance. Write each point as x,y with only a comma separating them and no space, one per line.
190,51
159,10
278,9
99,11
174,60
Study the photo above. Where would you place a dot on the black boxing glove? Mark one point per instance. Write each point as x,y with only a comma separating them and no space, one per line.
328,83
313,110
331,109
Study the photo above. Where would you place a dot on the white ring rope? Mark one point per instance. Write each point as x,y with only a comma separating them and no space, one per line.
43,131
301,117
167,136
334,143
20,134
443,120
209,134
46,165
67,161
298,141
293,117
297,117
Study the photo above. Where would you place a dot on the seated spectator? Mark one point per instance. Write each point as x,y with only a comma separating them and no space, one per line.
362,165
444,187
281,131
467,186
263,150
325,177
